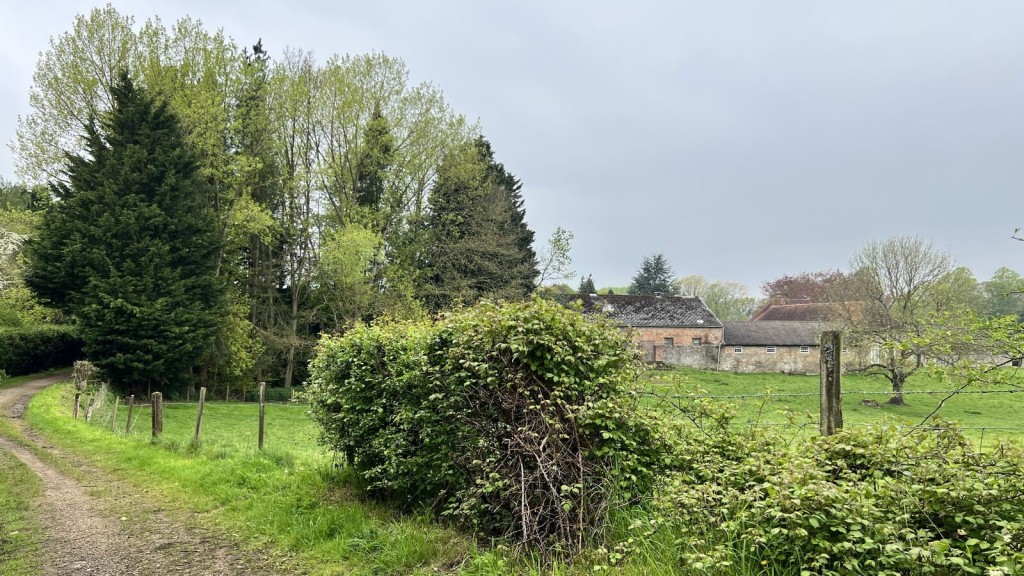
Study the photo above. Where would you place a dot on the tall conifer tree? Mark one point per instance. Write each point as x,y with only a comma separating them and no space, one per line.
478,242
130,248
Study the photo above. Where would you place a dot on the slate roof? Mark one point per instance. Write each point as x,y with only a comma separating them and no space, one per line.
647,311
774,333
805,312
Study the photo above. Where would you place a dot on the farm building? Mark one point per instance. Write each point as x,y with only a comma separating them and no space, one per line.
666,329
771,346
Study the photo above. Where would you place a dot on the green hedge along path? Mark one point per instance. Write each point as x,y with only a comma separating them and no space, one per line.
90,534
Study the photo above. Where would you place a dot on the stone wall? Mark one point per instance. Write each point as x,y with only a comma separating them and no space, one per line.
786,359
704,357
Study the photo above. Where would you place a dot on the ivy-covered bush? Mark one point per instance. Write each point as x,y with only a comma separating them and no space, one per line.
883,500
32,348
513,419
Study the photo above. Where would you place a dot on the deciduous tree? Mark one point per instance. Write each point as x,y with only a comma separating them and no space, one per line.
895,291
727,300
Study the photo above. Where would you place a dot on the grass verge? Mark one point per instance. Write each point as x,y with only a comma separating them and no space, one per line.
295,502
19,533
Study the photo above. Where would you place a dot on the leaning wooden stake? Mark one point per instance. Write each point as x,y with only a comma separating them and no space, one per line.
128,424
199,418
158,414
831,383
263,410
113,418
78,403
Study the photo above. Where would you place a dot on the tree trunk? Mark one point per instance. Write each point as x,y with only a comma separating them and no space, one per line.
897,391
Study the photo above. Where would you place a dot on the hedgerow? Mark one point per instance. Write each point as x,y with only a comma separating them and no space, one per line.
32,348
514,419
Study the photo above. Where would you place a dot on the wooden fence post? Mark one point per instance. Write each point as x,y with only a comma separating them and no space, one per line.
113,419
78,403
199,418
831,382
131,404
88,410
158,414
263,408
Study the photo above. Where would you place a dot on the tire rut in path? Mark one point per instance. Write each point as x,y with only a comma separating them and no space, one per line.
82,535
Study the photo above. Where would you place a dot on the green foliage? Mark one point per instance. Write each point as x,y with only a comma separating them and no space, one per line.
514,419
1004,294
874,501
38,347
653,277
130,249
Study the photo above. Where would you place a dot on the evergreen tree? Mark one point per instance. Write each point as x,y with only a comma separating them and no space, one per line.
653,277
476,233
587,285
130,248
377,156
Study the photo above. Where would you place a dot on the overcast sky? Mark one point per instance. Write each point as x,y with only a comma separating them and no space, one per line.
744,140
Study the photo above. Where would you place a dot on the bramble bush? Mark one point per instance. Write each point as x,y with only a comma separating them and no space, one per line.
513,419
882,500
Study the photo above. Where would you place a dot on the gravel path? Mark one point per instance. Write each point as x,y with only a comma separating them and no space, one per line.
85,534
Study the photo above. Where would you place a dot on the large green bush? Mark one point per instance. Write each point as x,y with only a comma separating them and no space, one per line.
32,348
512,419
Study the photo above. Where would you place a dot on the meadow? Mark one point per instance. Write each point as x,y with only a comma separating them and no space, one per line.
984,412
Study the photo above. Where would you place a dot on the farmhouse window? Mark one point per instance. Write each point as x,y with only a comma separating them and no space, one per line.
769,349
669,341
695,341
737,349
805,349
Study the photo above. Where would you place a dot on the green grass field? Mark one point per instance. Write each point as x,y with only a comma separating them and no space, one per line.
985,415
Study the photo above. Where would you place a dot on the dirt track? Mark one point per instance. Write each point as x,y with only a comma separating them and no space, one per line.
86,534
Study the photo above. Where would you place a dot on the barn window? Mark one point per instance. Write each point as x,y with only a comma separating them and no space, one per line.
669,341
769,349
737,349
805,349
695,341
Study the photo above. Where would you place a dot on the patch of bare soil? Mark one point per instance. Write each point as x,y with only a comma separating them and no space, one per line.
101,536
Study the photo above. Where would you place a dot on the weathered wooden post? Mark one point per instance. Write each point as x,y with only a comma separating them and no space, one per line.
113,418
831,382
78,403
158,414
199,418
88,410
263,411
128,424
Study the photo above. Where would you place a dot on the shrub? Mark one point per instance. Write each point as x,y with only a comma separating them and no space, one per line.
279,394
868,501
512,419
33,348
